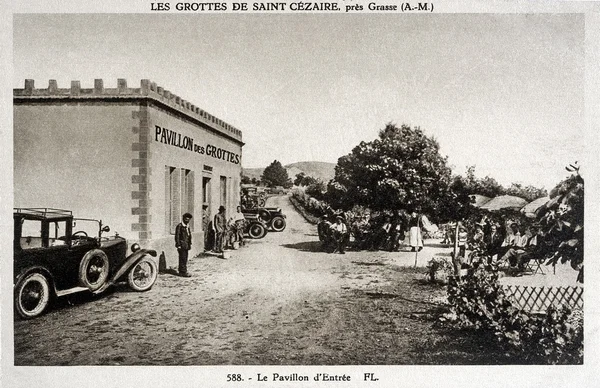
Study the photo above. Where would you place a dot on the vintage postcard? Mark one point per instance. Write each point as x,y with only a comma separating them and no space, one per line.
344,193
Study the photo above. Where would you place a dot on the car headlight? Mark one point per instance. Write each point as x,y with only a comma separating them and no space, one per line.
135,247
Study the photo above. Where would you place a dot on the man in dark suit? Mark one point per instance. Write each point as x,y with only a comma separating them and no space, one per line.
183,243
494,242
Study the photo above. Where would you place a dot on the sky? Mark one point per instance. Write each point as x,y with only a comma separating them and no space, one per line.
503,92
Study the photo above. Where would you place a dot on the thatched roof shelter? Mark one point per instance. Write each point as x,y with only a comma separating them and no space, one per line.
479,199
505,202
532,207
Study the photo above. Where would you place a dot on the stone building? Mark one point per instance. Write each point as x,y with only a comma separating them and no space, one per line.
137,158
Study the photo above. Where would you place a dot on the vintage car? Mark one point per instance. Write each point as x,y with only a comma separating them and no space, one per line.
277,190
253,196
255,227
272,217
50,260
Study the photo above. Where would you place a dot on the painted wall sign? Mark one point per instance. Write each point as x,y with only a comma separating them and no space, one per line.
167,136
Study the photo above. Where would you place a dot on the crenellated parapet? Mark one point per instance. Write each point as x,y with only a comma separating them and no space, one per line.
147,90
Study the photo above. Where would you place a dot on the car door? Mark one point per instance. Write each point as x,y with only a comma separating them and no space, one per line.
63,259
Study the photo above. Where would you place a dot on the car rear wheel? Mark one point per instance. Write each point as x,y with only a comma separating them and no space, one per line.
278,224
257,231
143,275
32,295
93,269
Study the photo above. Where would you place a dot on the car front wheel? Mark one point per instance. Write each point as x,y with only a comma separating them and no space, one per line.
264,215
93,269
278,224
143,275
32,295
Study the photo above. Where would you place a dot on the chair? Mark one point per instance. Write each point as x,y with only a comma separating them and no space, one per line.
538,265
534,265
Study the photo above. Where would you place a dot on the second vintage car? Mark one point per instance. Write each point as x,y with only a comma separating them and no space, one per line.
273,217
51,260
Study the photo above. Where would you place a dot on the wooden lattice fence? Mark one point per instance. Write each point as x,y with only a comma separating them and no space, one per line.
538,299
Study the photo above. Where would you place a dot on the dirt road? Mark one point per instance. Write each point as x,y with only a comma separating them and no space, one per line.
277,301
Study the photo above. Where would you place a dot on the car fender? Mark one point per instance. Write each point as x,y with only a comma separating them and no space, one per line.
38,268
130,262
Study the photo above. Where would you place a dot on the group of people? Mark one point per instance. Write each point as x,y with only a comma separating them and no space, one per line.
380,233
505,243
219,233
334,235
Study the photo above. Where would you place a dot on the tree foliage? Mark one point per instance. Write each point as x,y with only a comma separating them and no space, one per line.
304,180
276,175
317,189
530,193
402,169
561,220
489,187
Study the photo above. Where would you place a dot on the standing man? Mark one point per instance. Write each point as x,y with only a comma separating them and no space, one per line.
220,225
238,223
183,243
397,233
205,226
494,242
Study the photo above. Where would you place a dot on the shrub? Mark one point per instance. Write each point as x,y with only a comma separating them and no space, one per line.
439,270
478,301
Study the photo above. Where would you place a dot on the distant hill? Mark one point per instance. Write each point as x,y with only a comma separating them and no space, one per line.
320,170
253,172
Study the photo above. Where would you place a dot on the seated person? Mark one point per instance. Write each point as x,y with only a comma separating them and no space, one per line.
523,250
340,234
323,228
532,249
382,233
397,234
462,241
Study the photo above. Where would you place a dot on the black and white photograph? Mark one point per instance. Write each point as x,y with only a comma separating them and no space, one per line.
284,194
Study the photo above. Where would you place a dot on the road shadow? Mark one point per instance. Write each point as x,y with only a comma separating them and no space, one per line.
307,246
367,263
437,245
82,298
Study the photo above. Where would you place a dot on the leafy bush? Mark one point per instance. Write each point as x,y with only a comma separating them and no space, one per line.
311,205
478,301
439,270
562,223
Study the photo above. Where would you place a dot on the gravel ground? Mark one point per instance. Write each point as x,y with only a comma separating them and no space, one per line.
277,301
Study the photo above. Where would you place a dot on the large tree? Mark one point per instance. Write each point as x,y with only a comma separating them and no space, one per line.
402,169
276,175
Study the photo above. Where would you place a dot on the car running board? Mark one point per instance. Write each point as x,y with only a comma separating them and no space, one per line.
71,291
